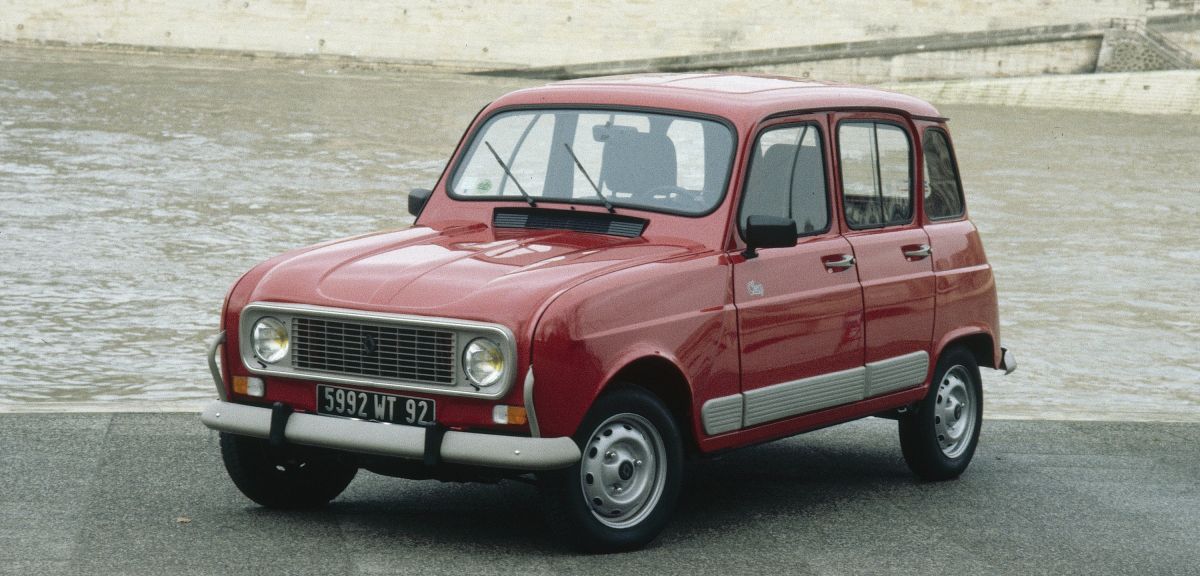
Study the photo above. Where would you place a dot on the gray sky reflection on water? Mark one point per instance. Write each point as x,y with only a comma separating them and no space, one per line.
132,195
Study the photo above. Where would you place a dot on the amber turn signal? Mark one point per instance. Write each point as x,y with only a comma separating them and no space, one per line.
512,415
249,386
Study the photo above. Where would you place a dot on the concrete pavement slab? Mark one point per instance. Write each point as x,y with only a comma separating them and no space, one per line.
147,494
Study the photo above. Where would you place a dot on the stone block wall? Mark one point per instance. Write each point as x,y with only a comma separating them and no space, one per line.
1126,50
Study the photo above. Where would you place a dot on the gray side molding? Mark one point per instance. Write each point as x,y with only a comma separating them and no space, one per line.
896,373
722,414
787,399
804,395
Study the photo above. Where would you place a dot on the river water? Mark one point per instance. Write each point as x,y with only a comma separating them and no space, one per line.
135,190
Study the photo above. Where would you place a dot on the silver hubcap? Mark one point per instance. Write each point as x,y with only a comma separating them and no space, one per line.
622,470
954,412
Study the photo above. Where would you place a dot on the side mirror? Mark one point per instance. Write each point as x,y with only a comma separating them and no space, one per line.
417,199
764,231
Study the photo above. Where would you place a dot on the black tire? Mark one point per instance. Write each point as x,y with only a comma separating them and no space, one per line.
292,477
934,445
588,512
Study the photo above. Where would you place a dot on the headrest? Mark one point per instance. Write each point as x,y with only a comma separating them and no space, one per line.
771,175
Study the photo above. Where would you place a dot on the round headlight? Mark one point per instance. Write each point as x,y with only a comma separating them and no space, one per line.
270,340
483,362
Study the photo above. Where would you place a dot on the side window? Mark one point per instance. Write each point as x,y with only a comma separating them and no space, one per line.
856,149
876,176
943,195
787,179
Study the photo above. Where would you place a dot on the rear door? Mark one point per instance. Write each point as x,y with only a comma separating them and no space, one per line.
800,308
876,175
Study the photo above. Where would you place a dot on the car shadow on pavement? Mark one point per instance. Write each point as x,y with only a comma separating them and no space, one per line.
733,493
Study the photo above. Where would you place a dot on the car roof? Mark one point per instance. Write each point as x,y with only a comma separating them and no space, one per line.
739,97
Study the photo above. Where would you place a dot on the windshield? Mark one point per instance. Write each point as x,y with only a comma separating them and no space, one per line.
632,159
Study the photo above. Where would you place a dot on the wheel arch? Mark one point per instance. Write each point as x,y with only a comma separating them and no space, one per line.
666,381
978,342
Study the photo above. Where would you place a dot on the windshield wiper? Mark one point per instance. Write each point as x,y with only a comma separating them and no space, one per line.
528,198
607,204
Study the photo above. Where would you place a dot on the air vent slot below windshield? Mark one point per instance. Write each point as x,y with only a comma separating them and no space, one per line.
588,222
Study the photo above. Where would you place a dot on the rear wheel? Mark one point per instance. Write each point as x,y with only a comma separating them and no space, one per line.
939,437
622,492
289,477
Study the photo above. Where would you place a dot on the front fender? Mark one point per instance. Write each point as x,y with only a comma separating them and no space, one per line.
567,400
679,311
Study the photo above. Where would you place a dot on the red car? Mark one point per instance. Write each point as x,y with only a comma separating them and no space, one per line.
613,276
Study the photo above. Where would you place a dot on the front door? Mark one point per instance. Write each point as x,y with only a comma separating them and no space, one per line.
800,308
891,250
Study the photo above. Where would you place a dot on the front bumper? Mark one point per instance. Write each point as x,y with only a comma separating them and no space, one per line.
396,440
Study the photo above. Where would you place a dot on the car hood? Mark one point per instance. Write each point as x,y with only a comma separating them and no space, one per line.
469,271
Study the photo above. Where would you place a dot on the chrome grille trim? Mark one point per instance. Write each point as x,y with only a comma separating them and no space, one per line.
399,352
417,353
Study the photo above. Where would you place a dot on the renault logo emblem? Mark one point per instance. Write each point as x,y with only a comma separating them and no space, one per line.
370,346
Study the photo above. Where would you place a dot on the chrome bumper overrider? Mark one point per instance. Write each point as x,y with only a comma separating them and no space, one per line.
214,346
490,450
1008,361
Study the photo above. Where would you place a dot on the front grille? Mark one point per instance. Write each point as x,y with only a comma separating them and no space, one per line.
377,350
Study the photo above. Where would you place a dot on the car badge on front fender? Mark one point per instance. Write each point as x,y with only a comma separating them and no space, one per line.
755,288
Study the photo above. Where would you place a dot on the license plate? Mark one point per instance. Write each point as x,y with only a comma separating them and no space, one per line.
393,408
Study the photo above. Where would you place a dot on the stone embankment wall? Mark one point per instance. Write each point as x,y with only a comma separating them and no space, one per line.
1111,45
1114,45
1061,57
1163,92
1056,49
483,35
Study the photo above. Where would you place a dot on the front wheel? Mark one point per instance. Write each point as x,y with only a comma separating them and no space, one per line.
622,492
286,477
939,437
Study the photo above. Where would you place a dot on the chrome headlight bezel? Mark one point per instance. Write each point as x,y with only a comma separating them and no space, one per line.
483,353
270,339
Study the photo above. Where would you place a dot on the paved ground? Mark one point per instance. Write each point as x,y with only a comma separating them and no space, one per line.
104,494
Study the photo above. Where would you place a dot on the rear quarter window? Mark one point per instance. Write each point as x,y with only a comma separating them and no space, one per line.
943,190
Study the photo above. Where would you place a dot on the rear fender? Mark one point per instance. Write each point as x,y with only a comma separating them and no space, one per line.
979,339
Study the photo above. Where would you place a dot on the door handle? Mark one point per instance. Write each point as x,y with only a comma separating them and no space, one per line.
839,262
917,251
